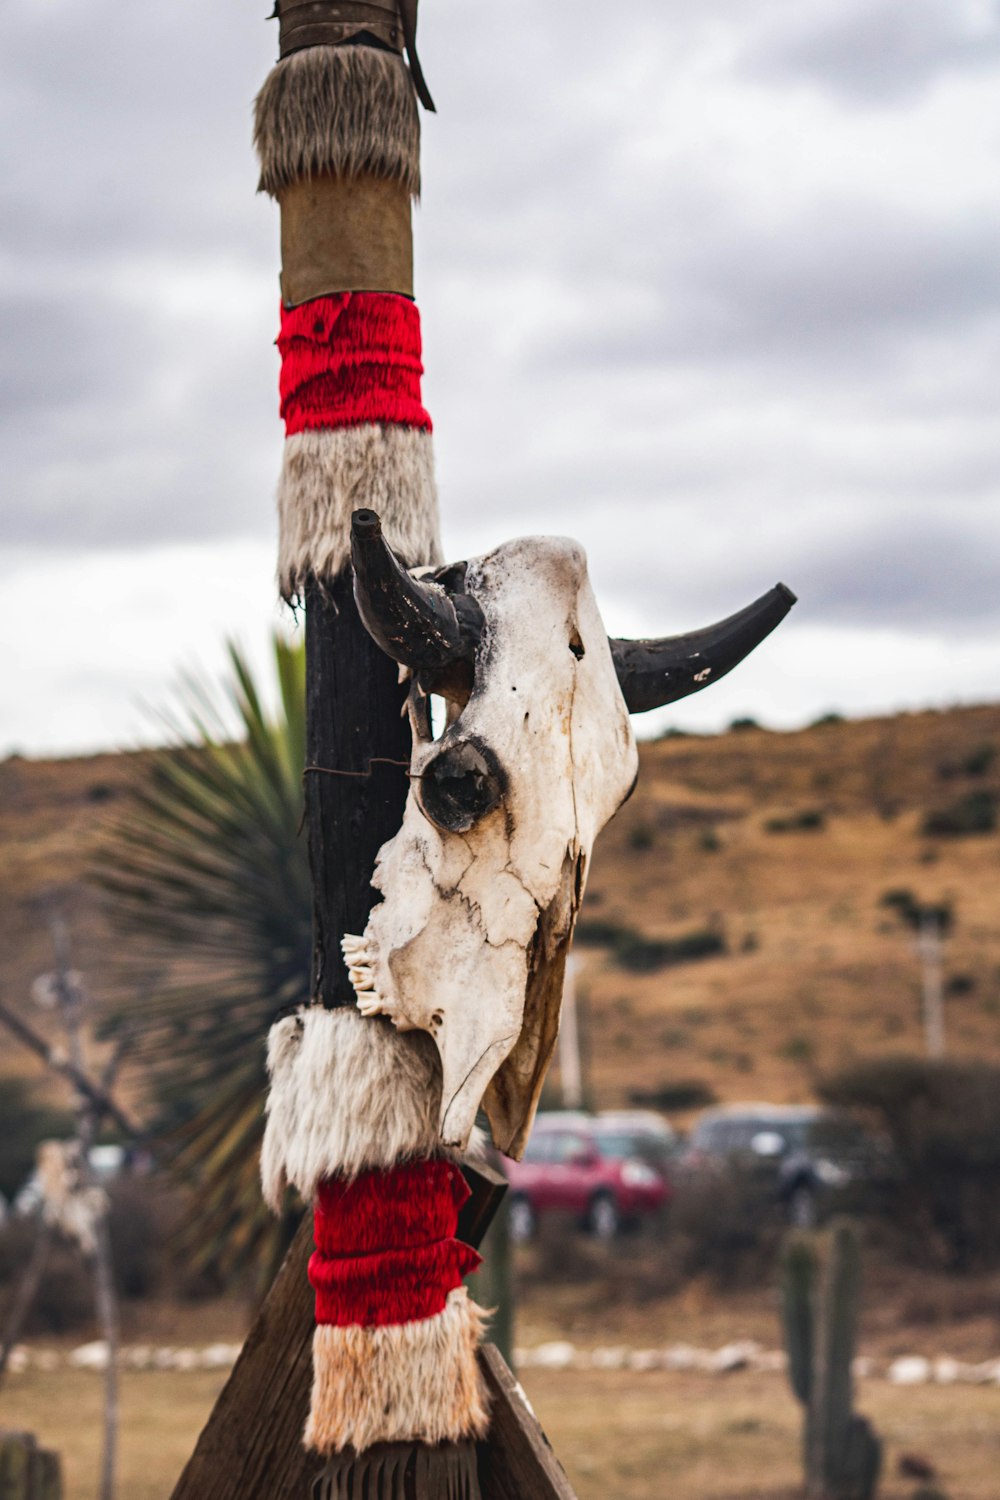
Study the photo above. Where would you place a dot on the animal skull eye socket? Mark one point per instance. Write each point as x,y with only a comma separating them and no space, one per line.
461,785
576,645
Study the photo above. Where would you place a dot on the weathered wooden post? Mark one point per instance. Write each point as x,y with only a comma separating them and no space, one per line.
28,1472
820,1286
478,840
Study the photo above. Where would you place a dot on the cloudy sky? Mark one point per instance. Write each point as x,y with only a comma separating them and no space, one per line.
713,287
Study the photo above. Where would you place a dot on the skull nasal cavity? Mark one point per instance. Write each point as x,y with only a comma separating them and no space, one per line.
460,786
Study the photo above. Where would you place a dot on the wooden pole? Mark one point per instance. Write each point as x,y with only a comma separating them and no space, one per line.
340,233
929,947
355,724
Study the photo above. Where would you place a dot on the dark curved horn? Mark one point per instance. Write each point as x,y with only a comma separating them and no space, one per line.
415,623
652,673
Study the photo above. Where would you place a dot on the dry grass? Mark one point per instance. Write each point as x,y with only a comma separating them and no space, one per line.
817,972
161,1415
619,1434
641,1437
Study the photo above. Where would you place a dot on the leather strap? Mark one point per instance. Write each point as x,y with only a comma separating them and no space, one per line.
345,234
334,23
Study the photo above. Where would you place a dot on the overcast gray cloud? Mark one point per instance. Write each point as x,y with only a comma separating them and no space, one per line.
715,289
877,51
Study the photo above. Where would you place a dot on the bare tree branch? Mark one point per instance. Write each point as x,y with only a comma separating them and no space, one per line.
96,1096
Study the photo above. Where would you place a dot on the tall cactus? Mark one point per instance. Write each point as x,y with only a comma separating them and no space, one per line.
821,1284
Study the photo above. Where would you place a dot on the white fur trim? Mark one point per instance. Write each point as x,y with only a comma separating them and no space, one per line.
404,1382
347,1095
328,473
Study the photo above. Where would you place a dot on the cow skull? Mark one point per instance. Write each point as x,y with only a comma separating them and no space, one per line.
483,881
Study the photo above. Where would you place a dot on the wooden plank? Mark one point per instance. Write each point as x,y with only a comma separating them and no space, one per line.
488,1188
251,1446
516,1461
28,1472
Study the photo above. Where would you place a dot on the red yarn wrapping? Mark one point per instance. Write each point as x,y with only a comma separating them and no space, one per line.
351,358
385,1245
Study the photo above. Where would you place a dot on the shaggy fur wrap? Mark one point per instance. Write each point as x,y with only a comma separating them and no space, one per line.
349,111
386,1250
416,1382
327,475
347,1095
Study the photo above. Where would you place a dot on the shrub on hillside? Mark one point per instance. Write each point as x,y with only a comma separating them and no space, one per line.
943,1120
638,954
976,763
809,820
976,812
915,913
824,719
681,1093
641,955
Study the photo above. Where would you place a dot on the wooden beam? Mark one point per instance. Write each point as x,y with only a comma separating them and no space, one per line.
251,1446
516,1462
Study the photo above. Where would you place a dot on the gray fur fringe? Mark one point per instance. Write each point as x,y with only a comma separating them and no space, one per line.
349,111
327,473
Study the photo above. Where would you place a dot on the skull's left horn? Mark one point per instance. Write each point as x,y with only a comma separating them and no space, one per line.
652,673
417,623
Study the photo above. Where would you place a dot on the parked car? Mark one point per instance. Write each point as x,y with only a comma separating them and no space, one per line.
607,1171
803,1157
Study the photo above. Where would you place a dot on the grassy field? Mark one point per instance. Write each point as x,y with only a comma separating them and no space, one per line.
620,1435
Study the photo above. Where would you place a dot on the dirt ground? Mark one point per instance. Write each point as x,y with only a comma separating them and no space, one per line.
621,1435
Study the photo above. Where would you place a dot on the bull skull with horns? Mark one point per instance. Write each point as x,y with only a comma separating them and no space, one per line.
483,881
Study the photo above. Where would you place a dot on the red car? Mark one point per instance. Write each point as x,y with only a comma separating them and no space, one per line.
605,1170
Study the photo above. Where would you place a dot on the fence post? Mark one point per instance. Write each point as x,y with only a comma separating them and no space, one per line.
28,1472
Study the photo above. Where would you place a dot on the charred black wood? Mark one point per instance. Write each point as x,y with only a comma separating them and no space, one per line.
354,723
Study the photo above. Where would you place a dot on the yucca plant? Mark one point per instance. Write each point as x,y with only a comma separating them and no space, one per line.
209,872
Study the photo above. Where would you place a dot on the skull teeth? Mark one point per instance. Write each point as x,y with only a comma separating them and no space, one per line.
362,977
369,1003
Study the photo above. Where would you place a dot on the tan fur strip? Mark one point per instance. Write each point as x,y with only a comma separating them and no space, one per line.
343,110
347,1094
328,473
405,1382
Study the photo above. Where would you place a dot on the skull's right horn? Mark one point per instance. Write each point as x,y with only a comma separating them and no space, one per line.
652,673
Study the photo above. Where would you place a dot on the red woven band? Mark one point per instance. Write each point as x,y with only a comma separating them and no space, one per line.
385,1245
349,359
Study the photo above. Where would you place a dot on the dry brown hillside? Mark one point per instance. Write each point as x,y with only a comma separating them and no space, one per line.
716,840
815,971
